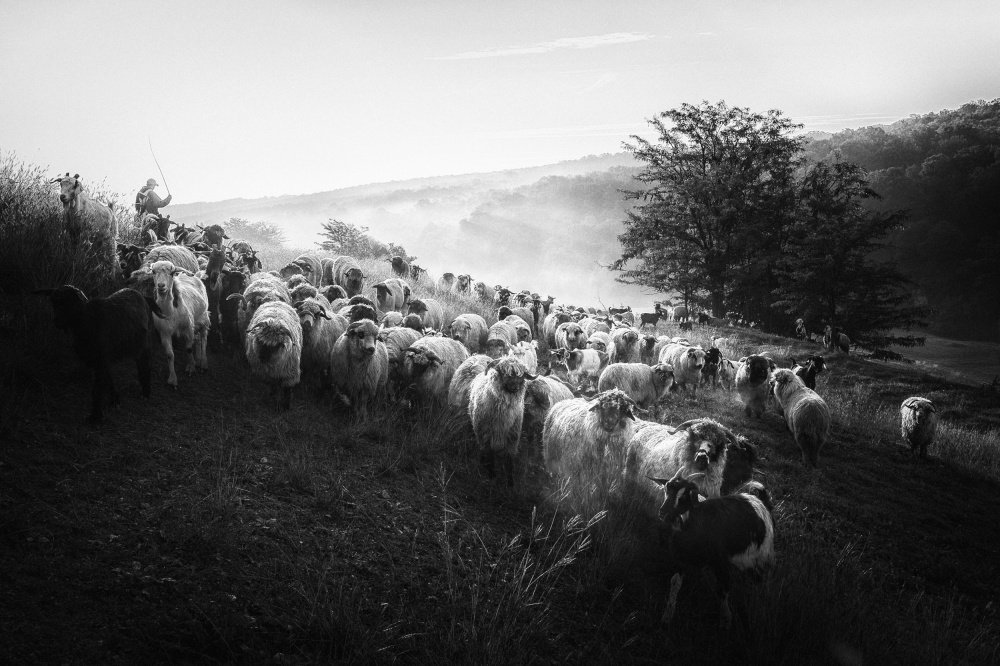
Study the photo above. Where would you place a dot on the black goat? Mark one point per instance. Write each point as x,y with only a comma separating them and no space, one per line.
106,330
813,365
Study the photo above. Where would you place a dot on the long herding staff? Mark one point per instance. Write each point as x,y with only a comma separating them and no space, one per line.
157,164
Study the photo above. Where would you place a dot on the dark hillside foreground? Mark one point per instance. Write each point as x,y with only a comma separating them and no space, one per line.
963,361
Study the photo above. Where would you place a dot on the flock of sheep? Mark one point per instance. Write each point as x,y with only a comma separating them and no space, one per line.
587,385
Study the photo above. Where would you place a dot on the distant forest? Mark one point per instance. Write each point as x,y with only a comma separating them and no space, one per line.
944,169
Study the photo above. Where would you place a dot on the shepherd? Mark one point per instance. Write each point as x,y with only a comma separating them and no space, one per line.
148,201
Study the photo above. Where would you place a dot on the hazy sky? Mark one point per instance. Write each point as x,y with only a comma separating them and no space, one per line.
247,99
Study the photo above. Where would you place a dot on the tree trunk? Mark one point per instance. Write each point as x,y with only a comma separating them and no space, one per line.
718,303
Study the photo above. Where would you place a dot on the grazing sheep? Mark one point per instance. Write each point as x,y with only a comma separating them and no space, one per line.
83,214
918,422
484,292
806,414
586,441
446,282
717,532
570,336
106,330
625,346
752,384
527,354
392,294
182,299
496,409
359,365
471,330
320,330
660,451
430,312
644,384
274,348
461,381
428,366
400,267
347,273
687,362
500,338
463,284
807,372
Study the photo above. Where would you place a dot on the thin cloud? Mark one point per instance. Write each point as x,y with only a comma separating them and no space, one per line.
589,42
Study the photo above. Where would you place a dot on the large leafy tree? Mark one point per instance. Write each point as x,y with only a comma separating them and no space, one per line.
353,239
718,185
827,272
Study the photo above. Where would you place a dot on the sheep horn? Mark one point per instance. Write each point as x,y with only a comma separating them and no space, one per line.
687,424
660,482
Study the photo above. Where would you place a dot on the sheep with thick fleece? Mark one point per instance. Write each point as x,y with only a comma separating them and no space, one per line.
320,330
359,364
178,255
540,395
527,354
483,291
687,362
106,330
183,301
660,451
429,364
312,268
551,323
520,325
570,336
274,348
82,214
918,423
347,273
496,409
461,381
430,311
500,337
625,346
392,294
599,341
806,414
397,339
752,379
586,441
471,330
644,384
727,373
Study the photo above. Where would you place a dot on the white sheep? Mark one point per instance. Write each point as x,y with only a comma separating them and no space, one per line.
687,363
446,282
496,409
463,284
570,336
918,423
178,255
430,311
359,364
392,294
274,348
585,442
552,322
500,338
727,373
484,292
320,330
397,339
527,354
429,364
599,341
348,274
471,330
581,364
83,214
625,346
644,384
540,395
752,384
806,414
183,301
660,451
461,381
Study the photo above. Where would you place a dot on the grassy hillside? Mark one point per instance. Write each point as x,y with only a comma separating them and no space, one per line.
202,527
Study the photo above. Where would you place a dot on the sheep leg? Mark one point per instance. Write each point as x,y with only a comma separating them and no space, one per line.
168,347
675,587
723,582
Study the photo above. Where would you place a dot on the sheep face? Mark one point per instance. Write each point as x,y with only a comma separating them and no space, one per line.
679,495
612,408
921,408
759,368
463,282
707,440
510,374
696,357
309,313
69,186
597,344
362,336
354,279
416,361
333,292
663,378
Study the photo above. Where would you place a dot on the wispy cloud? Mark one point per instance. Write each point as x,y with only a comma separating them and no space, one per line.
590,42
